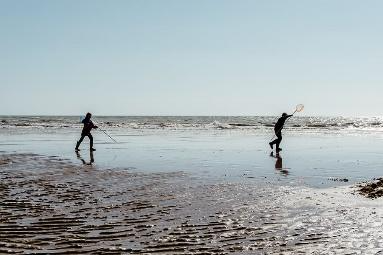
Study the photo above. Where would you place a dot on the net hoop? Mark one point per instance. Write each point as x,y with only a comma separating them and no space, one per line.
300,107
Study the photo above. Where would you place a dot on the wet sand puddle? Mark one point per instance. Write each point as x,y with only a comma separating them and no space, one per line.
49,206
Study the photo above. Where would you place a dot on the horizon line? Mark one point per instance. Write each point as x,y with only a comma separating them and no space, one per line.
165,115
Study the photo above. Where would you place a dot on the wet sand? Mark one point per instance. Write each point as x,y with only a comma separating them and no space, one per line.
51,206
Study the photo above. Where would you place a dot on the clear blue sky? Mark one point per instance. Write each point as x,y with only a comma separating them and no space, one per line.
195,57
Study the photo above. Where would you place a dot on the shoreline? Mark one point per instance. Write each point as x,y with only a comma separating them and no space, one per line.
312,160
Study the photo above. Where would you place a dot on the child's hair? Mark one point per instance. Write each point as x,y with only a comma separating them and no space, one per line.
88,115
284,114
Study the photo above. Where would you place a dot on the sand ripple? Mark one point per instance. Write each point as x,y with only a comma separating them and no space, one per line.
50,206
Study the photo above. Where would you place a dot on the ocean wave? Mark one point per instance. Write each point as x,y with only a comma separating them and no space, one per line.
196,122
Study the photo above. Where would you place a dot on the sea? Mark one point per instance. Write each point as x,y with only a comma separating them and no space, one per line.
317,151
243,123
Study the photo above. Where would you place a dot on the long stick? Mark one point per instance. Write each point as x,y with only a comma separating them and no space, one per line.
107,134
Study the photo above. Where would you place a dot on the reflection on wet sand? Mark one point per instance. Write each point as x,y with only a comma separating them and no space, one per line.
91,158
279,163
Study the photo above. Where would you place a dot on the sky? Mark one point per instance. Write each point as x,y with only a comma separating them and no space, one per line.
191,57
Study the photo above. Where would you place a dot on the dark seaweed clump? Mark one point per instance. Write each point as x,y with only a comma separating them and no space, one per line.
372,189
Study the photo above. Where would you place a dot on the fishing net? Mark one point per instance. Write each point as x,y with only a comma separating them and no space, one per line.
300,107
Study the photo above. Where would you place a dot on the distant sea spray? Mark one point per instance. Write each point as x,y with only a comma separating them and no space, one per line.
246,123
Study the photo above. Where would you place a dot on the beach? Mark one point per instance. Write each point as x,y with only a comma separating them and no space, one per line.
188,187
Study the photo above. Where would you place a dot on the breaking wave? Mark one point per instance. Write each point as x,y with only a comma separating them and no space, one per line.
194,122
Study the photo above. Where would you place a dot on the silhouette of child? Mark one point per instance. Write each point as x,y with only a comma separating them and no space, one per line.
278,131
88,126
